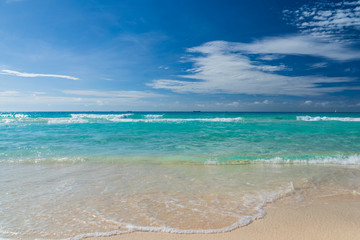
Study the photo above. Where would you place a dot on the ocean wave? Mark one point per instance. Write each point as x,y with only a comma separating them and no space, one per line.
318,118
152,116
13,117
338,160
49,160
109,117
123,118
86,118
179,120
65,120
7,120
193,160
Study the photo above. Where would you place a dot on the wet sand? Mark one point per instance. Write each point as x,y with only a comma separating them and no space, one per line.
327,218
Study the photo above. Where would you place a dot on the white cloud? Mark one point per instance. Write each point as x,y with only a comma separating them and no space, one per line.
229,104
319,65
34,94
27,101
263,102
270,57
269,68
113,94
77,100
233,104
327,32
223,67
328,21
22,74
12,1
287,45
163,67
9,93
323,104
308,102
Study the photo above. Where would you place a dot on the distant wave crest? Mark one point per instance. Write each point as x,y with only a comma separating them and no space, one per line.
125,118
313,119
153,116
11,118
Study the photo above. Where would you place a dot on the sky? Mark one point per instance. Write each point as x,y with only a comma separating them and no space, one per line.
167,55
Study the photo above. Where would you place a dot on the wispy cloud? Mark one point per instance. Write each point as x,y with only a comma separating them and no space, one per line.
226,104
113,94
263,102
287,45
22,101
12,1
319,65
23,74
9,93
224,67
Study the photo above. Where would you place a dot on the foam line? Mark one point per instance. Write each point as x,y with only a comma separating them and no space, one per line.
313,119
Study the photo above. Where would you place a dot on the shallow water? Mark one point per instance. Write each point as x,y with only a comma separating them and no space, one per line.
72,175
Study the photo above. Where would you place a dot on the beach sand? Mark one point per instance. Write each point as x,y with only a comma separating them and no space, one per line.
332,217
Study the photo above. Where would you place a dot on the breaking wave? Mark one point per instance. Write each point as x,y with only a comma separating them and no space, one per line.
313,119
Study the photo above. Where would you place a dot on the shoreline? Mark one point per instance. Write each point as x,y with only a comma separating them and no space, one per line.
331,217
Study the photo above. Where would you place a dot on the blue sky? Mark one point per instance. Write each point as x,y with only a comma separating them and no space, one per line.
99,55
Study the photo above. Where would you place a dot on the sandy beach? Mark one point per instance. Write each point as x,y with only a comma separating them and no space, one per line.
325,218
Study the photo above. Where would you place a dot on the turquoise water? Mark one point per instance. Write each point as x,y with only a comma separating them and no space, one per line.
70,175
188,137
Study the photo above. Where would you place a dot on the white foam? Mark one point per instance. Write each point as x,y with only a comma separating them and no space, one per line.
12,117
179,120
97,234
65,120
338,160
101,116
149,118
119,118
19,115
313,119
122,118
4,232
85,118
107,117
245,220
47,160
341,160
152,116
5,238
268,197
7,120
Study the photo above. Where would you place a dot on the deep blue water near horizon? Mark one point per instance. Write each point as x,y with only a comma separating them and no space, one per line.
71,175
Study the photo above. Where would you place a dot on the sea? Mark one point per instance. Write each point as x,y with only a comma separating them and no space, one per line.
73,175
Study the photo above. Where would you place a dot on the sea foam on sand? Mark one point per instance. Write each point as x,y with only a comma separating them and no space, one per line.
327,218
